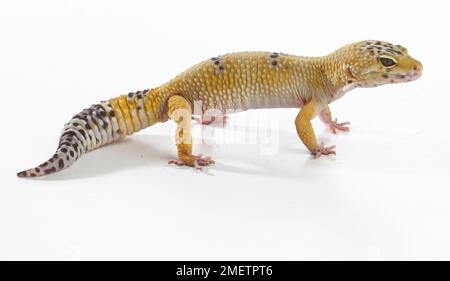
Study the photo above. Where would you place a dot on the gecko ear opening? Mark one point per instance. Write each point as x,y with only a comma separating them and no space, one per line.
349,72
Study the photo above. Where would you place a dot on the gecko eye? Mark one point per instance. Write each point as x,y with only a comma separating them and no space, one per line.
387,61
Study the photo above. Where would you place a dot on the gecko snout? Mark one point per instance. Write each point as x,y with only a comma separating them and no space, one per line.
417,68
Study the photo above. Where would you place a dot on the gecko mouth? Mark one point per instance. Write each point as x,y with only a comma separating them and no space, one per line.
401,76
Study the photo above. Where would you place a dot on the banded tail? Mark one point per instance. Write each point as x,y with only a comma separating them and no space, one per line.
99,125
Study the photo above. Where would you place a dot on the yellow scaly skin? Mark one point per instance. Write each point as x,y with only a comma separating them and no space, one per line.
241,81
252,80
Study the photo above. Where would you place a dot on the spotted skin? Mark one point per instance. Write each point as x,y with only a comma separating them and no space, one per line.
99,125
237,81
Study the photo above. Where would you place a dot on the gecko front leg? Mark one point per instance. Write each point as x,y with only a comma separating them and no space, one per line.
332,125
306,132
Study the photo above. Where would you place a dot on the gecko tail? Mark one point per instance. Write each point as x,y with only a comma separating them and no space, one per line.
91,128
62,159
98,126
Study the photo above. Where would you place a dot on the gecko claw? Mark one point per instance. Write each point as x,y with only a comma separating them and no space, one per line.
177,162
196,161
323,150
201,162
334,126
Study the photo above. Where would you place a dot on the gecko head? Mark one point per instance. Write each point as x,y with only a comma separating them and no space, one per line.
374,63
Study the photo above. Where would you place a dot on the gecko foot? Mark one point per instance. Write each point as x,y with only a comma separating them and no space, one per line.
323,150
203,122
196,161
334,126
219,121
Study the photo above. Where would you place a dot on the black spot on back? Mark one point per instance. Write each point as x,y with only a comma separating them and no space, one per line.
61,163
274,55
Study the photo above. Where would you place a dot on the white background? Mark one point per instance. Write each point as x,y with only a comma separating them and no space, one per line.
384,196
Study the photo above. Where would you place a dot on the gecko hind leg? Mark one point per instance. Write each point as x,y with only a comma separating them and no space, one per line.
179,110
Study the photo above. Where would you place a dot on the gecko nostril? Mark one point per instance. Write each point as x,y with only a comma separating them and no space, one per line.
418,68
